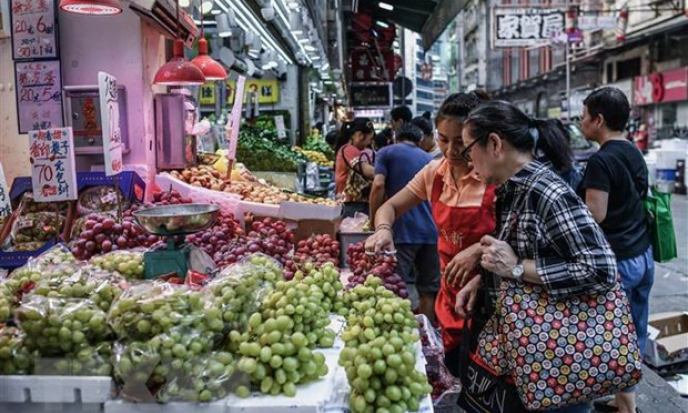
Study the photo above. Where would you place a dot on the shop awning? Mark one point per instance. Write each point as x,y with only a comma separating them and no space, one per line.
427,17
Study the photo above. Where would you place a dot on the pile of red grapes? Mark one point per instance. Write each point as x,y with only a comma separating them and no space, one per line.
318,249
381,265
102,234
217,238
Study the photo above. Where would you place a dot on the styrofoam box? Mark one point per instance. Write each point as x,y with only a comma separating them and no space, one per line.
51,408
228,201
310,398
298,210
55,389
121,406
262,210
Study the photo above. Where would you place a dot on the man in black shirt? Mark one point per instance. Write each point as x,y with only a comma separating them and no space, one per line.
613,187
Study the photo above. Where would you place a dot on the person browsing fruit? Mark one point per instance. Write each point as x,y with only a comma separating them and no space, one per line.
462,209
354,165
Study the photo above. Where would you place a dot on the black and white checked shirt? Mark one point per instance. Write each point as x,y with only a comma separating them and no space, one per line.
554,227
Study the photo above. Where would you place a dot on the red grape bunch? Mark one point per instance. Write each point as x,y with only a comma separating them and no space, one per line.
270,237
102,234
318,249
216,238
381,265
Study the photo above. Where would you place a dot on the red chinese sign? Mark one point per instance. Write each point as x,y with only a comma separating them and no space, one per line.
669,86
370,66
53,173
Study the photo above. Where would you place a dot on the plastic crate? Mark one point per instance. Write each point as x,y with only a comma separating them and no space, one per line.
55,389
121,406
346,238
10,260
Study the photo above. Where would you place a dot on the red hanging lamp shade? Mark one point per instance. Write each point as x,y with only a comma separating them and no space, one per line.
179,72
92,7
210,68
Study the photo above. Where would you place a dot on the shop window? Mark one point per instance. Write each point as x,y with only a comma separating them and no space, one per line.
628,68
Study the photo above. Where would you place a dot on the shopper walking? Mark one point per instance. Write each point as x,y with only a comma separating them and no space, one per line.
462,208
428,143
354,168
400,115
414,234
614,185
551,239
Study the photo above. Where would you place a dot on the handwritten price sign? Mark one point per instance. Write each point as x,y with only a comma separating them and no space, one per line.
5,206
109,117
34,29
39,95
53,173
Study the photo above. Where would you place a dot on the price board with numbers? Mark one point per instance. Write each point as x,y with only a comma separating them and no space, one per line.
53,173
39,95
34,29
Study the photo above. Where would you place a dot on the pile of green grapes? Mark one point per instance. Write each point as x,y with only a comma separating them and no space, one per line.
88,360
277,351
15,357
7,303
379,356
127,263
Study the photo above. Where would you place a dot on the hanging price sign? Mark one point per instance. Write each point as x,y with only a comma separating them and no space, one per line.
53,173
5,205
234,122
39,95
34,29
109,119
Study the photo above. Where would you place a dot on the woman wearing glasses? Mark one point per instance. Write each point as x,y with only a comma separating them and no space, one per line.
354,165
462,208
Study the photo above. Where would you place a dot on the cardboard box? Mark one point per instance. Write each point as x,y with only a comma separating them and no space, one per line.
668,339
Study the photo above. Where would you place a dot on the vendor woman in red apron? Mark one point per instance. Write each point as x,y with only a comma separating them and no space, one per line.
463,210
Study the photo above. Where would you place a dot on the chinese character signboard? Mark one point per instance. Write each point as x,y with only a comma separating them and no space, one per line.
53,173
39,95
34,29
371,95
207,97
109,118
235,120
669,86
525,27
266,90
369,66
5,206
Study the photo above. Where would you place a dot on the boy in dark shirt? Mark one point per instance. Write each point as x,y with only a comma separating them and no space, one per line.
615,182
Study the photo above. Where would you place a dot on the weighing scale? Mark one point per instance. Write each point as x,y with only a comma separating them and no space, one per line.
170,221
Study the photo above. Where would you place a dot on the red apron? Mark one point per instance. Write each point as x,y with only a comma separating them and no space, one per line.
458,228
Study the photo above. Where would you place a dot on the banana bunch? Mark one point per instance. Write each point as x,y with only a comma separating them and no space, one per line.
314,156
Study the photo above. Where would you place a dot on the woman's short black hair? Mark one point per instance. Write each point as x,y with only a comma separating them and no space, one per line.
612,104
458,105
423,123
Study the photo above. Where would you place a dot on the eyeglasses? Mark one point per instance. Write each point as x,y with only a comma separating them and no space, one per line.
466,153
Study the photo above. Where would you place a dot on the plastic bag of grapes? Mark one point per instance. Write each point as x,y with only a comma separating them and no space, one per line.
87,360
28,205
36,227
57,263
148,309
57,326
136,368
100,286
102,198
15,357
8,302
129,263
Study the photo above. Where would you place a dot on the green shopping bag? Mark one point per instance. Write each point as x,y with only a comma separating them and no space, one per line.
658,205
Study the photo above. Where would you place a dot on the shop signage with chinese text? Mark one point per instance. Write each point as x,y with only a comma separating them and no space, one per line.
371,95
525,27
39,95
53,173
266,89
668,86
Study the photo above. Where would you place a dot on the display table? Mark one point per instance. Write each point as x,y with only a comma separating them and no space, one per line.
28,394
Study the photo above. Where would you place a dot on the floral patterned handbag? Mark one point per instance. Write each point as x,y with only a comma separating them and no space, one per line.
561,352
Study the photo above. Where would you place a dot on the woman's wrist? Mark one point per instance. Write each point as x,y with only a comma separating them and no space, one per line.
380,227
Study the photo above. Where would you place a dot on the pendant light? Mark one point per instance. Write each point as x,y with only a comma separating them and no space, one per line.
179,72
92,7
211,69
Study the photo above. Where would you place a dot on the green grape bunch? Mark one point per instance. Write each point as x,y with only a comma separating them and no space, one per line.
380,351
8,302
56,326
87,360
15,357
205,378
148,309
127,263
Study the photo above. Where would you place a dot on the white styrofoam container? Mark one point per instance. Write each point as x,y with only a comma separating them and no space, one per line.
666,159
121,406
228,201
263,210
55,389
51,408
680,145
297,211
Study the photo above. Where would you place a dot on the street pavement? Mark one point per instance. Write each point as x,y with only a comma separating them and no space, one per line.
670,289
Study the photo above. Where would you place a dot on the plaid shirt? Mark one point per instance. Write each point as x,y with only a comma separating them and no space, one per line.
556,229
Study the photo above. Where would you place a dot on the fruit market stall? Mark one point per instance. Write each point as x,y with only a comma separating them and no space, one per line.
260,322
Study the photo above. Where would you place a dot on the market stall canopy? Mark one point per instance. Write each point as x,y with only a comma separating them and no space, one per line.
427,17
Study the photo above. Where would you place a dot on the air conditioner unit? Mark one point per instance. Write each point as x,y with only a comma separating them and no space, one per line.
162,14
